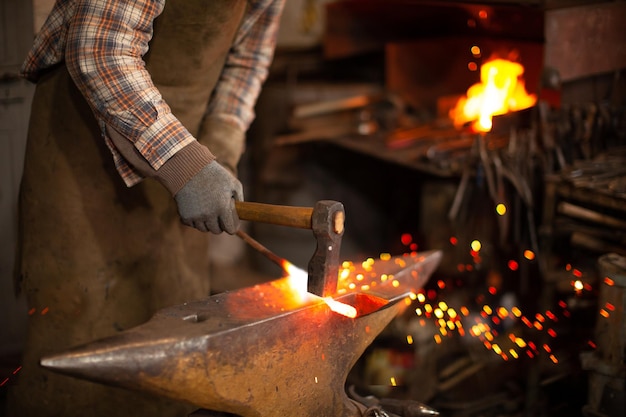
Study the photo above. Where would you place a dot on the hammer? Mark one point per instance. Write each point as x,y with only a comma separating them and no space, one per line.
326,219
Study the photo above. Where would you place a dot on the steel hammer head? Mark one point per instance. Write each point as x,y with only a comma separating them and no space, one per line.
327,222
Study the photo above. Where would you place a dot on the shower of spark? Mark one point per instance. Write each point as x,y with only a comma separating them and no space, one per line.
484,322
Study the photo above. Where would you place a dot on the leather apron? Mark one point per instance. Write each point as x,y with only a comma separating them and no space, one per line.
98,257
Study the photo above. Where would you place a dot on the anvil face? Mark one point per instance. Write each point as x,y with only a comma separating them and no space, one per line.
256,352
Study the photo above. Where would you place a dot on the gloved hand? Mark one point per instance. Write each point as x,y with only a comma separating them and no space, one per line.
207,201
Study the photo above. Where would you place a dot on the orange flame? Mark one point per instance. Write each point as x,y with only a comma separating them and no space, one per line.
298,280
501,90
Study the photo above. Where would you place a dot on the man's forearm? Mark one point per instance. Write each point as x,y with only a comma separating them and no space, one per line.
104,55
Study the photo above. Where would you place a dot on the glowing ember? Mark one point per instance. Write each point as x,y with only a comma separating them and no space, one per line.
500,91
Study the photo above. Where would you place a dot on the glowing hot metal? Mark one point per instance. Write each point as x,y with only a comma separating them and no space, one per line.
298,279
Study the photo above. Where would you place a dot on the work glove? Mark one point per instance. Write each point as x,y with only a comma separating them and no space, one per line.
207,201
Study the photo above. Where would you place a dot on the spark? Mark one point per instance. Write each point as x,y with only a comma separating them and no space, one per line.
578,285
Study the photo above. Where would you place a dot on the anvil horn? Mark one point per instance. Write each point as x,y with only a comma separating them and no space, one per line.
256,352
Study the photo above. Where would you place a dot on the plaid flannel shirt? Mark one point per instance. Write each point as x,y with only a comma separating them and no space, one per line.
102,43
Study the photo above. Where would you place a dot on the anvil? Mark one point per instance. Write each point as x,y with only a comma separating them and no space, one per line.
261,351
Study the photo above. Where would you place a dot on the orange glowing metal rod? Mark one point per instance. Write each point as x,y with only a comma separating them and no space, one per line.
340,308
298,281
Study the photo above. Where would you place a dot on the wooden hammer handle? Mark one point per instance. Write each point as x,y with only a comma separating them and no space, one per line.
274,214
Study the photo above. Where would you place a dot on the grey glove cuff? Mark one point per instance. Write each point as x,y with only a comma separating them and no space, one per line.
207,201
225,140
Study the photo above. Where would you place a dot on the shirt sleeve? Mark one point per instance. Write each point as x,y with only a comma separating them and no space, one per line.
247,65
104,55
